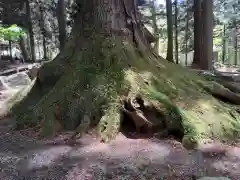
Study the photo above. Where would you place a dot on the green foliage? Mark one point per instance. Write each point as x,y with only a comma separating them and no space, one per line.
12,33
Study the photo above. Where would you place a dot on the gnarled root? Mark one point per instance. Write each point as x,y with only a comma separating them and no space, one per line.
137,117
142,115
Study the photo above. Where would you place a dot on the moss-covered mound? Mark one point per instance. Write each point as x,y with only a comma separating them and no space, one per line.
91,81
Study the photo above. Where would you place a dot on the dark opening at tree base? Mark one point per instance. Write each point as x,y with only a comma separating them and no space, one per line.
160,130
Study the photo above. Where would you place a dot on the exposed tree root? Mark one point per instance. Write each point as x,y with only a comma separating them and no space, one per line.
220,91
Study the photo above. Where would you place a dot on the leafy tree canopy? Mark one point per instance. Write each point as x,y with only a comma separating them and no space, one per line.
12,32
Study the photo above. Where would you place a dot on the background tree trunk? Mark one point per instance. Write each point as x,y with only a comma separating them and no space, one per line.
197,32
10,51
207,60
155,27
22,45
169,30
186,35
30,29
235,44
224,44
43,31
61,17
176,31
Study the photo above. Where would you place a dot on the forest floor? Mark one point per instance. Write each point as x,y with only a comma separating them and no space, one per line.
23,156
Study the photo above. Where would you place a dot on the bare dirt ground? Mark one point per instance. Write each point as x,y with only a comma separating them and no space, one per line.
27,158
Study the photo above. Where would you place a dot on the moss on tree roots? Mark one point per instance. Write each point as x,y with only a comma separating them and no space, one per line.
94,79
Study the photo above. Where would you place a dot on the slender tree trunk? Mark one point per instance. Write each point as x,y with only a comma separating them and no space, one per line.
197,32
43,31
207,60
10,51
30,28
22,45
169,30
236,44
61,23
224,44
155,27
176,31
186,36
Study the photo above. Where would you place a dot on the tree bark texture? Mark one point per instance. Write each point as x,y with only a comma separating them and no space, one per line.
103,31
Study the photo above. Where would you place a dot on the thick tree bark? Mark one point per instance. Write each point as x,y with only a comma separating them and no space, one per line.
103,32
207,60
169,30
197,33
30,29
61,23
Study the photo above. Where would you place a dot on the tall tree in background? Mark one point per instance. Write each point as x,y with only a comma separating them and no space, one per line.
197,32
207,19
22,44
235,42
169,30
43,31
61,17
186,33
30,29
176,30
224,44
154,24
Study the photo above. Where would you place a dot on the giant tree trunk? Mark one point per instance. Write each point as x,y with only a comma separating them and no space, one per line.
106,64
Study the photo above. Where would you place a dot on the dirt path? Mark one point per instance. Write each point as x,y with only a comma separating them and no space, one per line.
26,158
